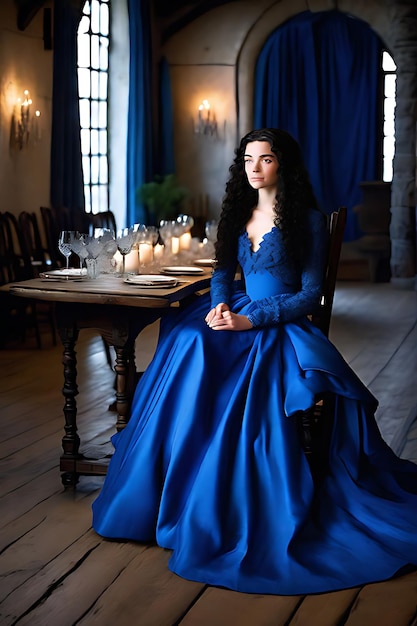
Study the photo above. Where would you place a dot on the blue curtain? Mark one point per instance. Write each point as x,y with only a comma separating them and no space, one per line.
166,162
140,149
317,77
67,185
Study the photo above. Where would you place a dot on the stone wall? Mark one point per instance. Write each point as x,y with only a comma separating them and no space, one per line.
403,19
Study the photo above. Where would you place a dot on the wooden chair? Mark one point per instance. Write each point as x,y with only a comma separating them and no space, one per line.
336,224
36,256
37,260
104,219
16,314
13,266
51,228
316,423
56,219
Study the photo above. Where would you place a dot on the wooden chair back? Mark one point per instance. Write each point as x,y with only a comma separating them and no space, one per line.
36,255
13,264
316,423
51,228
321,318
104,219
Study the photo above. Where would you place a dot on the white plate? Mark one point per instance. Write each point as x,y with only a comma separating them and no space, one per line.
151,280
182,269
205,262
70,273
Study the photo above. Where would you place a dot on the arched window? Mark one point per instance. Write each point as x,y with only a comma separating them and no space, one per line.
388,145
93,66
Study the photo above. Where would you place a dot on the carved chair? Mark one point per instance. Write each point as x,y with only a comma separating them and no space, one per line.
104,219
16,314
37,257
316,423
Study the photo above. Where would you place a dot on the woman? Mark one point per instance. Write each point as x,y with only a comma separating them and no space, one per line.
210,464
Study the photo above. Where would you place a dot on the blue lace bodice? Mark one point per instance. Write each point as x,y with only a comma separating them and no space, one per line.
278,290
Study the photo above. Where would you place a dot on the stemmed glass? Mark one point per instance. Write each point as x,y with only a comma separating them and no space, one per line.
165,230
186,221
125,240
64,244
79,246
211,230
107,240
211,235
153,234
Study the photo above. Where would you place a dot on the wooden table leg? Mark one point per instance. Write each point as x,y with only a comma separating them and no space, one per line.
120,330
71,440
125,376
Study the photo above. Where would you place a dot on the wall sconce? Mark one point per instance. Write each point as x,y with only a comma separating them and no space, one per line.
206,121
23,126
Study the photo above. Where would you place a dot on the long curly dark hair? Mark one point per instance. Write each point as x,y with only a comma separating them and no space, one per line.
294,196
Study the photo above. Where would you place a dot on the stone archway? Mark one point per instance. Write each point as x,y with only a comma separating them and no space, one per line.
396,25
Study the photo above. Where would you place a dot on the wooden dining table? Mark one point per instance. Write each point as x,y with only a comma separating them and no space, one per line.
119,310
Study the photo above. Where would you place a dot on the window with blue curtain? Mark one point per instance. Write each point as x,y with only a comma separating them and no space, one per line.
140,141
147,155
93,68
318,77
67,186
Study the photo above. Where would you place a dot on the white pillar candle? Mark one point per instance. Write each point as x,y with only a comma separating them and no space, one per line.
185,241
132,261
158,251
145,253
175,245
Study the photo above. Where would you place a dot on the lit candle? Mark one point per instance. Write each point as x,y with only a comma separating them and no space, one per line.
117,261
185,241
175,245
145,253
37,128
158,251
132,261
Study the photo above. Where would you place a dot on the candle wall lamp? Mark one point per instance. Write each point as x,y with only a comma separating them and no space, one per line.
25,124
206,120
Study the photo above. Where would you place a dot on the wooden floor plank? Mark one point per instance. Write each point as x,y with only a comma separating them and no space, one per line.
397,394
25,598
225,608
90,566
44,532
145,594
391,603
325,609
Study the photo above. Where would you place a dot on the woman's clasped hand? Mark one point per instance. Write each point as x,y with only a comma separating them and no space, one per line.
222,318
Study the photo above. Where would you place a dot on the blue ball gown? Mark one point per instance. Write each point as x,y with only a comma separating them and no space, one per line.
211,466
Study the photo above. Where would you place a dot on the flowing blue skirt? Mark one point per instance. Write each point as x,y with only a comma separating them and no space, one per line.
211,465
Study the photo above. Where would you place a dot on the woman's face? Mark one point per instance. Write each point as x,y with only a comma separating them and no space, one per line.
261,165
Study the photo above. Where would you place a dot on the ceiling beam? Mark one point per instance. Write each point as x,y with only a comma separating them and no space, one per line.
26,11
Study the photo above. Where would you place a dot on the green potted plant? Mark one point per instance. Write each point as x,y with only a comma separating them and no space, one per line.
163,197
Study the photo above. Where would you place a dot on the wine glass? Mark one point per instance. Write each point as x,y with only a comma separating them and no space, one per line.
79,246
186,220
211,230
64,244
165,230
125,240
153,233
107,240
141,233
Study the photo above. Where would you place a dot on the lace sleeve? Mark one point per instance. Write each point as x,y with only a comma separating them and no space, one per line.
288,307
221,284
